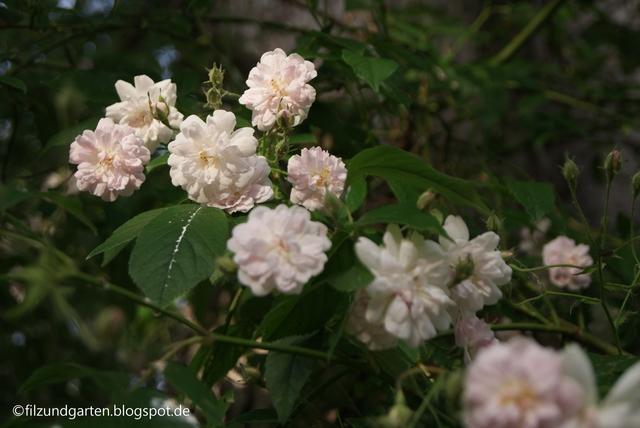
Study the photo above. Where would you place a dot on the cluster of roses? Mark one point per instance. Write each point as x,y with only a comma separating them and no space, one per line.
215,164
420,286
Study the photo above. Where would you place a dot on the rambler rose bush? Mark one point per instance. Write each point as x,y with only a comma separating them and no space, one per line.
348,227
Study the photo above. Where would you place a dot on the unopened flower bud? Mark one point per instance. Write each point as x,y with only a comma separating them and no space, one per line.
494,224
226,265
570,172
281,148
613,163
251,375
332,204
216,75
399,415
216,92
464,270
425,199
506,255
635,182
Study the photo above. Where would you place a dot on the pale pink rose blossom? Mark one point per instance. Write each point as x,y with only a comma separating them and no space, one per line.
374,336
563,250
519,384
621,406
473,334
489,269
278,249
217,166
314,172
134,109
279,82
110,160
408,294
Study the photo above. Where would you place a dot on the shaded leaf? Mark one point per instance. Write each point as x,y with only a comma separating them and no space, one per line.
189,385
403,214
114,382
159,161
356,195
396,164
68,136
373,70
302,139
286,374
14,82
301,314
125,234
537,198
177,249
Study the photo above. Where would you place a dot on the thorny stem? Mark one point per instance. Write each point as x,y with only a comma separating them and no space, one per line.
599,264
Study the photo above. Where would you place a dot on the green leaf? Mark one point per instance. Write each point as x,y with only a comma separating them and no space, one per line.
286,374
356,277
70,204
303,139
300,314
159,161
608,369
258,415
96,85
188,384
396,164
344,42
68,136
113,382
356,195
537,198
14,82
403,214
358,423
373,70
406,194
177,249
224,356
124,234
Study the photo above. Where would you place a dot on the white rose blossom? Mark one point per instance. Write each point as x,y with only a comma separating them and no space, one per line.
375,336
217,166
279,249
314,172
110,160
278,87
519,384
621,406
489,269
134,109
473,334
563,250
408,294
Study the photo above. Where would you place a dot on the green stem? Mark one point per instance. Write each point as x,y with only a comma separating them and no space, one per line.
140,300
533,269
633,210
599,264
514,45
329,381
437,387
605,218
